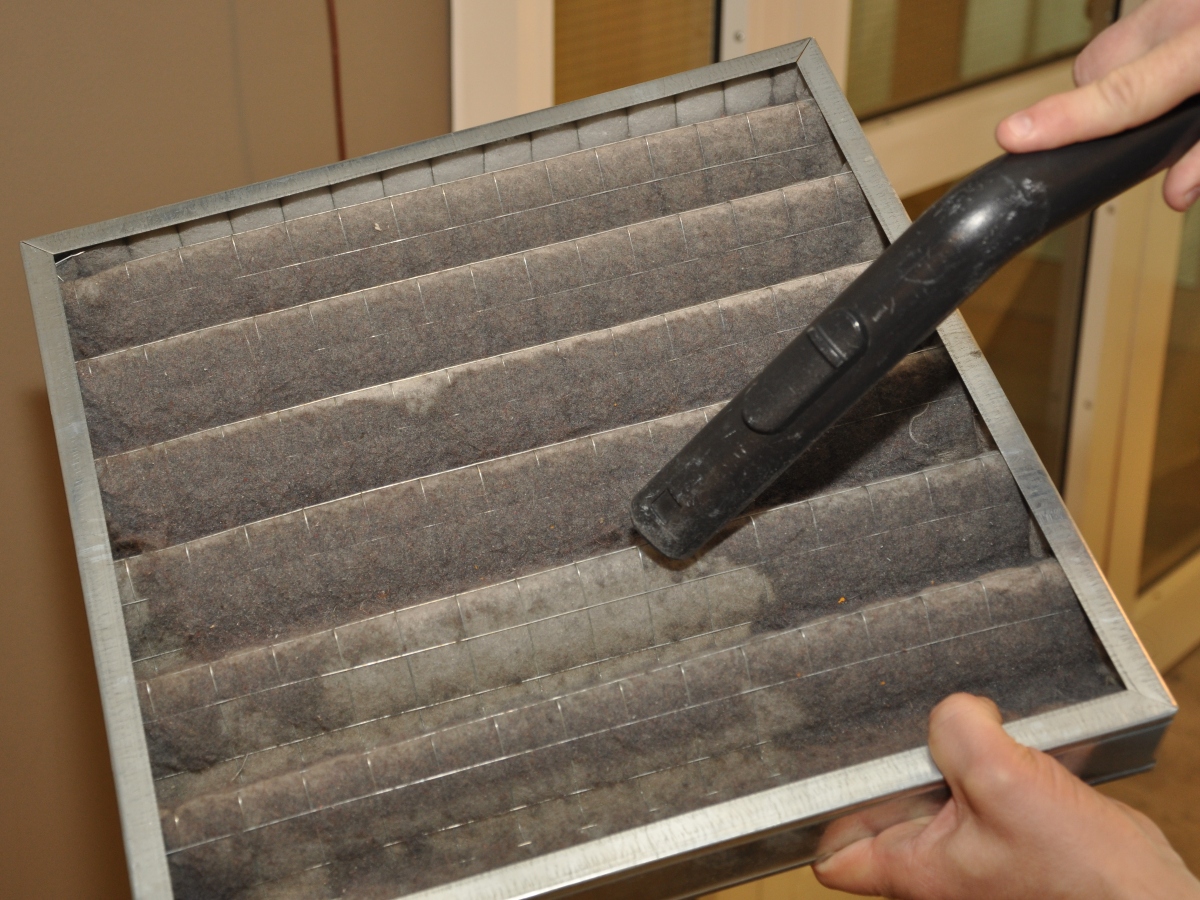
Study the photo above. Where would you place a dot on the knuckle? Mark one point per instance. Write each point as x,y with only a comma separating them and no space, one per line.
1078,72
953,705
1083,71
994,781
1121,90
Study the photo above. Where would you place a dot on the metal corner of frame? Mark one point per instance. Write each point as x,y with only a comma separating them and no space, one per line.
36,245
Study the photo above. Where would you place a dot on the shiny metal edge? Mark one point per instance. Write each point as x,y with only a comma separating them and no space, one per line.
1116,756
144,849
813,802
724,825
1114,629
765,856
1095,596
374,163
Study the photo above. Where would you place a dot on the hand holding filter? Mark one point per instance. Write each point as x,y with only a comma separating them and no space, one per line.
895,304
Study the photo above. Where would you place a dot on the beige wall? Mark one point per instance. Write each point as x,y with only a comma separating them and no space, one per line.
502,54
395,71
769,23
109,109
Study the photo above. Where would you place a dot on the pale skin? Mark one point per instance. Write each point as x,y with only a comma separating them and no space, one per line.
1017,825
1133,71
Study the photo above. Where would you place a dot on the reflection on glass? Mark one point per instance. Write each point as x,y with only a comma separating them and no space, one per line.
602,45
1026,320
903,51
1173,517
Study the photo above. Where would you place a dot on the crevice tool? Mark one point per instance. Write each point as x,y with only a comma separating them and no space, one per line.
892,307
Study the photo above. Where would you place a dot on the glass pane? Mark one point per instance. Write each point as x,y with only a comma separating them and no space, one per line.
602,45
1173,518
1026,320
903,51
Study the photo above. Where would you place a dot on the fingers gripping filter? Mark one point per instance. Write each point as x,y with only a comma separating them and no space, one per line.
350,458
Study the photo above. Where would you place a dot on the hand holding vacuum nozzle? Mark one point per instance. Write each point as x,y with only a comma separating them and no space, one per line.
894,305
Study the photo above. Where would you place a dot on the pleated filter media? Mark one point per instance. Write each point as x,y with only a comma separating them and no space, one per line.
352,510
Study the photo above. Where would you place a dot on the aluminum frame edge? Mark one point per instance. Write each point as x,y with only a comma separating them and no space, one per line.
889,788
85,236
145,852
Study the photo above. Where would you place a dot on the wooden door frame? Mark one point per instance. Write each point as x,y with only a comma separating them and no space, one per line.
1118,388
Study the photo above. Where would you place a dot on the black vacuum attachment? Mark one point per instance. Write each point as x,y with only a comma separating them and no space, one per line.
894,305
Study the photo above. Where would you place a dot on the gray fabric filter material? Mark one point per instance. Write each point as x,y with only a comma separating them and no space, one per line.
480,410
492,521
225,373
366,463
333,252
746,579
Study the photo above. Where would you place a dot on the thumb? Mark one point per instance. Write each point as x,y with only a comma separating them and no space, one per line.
969,745
1126,96
965,738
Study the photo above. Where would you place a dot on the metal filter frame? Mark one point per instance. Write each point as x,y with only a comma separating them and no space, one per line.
694,852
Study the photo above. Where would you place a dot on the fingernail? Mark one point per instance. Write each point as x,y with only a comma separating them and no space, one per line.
823,863
1190,197
1020,124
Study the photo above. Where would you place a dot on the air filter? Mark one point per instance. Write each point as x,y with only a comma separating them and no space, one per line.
349,458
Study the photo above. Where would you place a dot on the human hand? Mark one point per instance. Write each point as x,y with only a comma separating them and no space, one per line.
1132,72
1017,825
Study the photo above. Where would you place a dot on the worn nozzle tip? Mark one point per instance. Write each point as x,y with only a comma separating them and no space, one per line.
665,523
